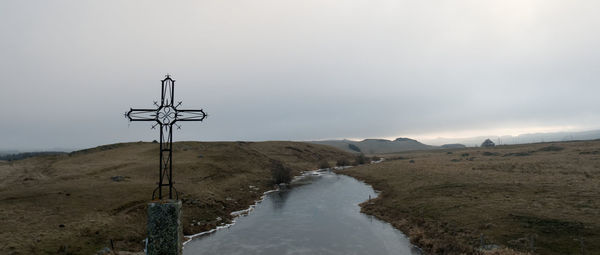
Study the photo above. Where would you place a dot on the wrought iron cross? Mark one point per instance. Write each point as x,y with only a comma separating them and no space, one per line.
166,115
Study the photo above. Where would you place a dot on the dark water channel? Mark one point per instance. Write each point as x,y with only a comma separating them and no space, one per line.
319,214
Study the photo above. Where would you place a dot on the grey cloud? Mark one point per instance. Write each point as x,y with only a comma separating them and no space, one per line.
296,70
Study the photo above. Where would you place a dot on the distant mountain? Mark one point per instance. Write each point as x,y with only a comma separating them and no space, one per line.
376,146
8,152
521,139
453,146
24,155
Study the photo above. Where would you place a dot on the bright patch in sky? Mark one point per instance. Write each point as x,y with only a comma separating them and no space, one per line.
492,133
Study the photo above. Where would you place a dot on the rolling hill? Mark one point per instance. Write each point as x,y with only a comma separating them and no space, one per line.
377,146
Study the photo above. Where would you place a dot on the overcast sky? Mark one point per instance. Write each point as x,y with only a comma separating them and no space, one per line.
297,70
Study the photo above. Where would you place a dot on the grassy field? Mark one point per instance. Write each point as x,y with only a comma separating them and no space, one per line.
77,203
538,198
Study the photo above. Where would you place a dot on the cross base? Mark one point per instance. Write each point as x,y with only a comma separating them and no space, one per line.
165,230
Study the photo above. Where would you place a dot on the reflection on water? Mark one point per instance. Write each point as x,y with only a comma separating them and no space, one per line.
322,217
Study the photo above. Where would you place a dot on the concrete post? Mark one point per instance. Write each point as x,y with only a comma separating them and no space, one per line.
165,231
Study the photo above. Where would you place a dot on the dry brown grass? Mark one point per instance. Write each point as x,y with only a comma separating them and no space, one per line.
69,204
446,200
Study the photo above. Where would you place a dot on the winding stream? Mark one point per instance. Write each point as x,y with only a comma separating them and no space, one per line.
318,214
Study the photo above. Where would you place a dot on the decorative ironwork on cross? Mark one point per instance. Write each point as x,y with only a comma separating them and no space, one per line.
166,115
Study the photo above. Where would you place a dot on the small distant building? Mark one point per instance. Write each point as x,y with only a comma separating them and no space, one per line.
488,143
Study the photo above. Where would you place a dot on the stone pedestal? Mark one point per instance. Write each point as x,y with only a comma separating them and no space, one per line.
165,231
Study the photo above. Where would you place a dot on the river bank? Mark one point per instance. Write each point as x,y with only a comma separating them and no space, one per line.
540,198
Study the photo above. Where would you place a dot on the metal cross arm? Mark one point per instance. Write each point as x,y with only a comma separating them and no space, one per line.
166,115
141,114
191,115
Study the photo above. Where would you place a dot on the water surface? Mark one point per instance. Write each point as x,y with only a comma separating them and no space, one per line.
317,215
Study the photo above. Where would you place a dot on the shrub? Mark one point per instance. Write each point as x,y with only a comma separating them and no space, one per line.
342,162
396,158
487,153
552,148
518,154
280,173
324,165
361,160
